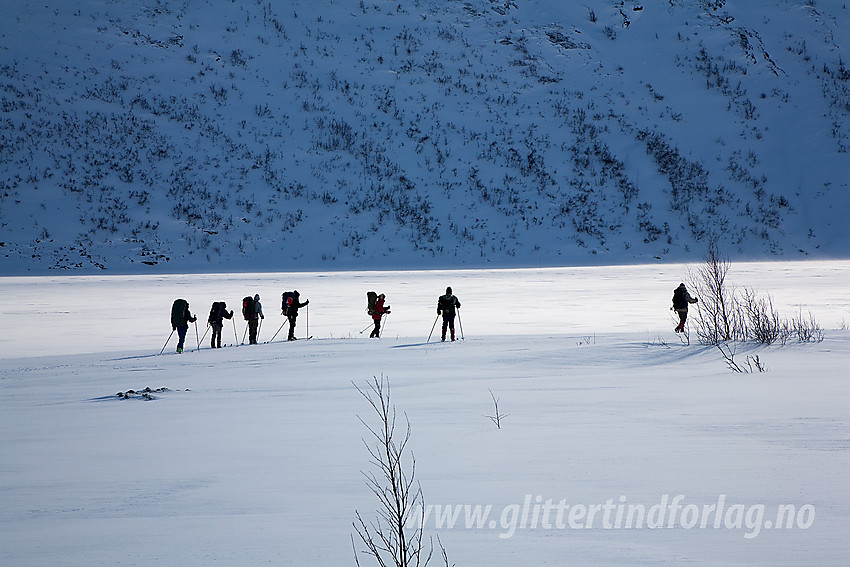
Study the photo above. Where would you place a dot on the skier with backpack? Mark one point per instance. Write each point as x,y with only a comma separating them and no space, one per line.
681,300
290,304
180,319
252,312
377,310
447,305
218,312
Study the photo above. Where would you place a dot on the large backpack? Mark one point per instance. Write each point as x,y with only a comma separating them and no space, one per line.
249,308
447,303
679,300
178,312
371,299
215,312
287,299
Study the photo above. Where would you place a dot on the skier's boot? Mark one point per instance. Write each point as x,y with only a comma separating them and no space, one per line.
453,334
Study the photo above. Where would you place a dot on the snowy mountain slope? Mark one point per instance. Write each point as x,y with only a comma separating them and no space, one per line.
204,135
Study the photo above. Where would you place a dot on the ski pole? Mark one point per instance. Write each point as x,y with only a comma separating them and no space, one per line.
259,328
166,342
279,330
460,324
307,322
432,328
367,326
235,335
245,334
205,333
196,335
384,317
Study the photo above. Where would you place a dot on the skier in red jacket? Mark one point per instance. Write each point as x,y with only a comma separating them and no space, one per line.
377,315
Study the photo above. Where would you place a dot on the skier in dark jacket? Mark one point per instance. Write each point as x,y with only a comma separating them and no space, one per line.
180,319
681,300
217,314
252,311
291,312
447,305
380,310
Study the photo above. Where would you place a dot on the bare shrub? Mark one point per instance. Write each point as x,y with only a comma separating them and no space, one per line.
805,329
718,315
763,324
389,539
724,314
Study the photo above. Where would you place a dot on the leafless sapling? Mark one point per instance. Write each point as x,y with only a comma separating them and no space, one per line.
497,417
396,537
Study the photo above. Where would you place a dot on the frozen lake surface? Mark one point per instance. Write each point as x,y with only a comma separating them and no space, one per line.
66,315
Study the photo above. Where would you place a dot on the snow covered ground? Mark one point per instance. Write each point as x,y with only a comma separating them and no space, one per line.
253,455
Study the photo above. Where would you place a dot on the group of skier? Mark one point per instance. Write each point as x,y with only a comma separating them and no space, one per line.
252,311
447,306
